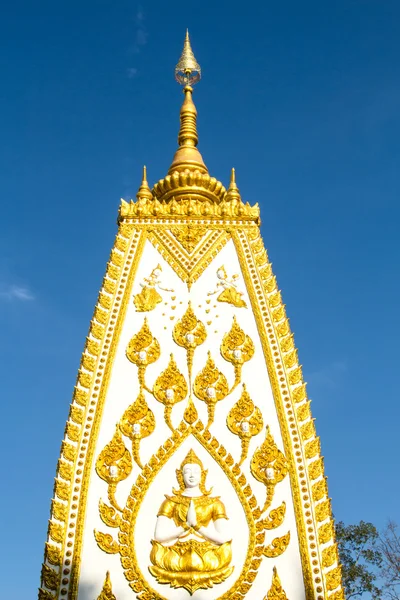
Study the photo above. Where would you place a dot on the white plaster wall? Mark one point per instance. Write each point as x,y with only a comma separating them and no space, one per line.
122,391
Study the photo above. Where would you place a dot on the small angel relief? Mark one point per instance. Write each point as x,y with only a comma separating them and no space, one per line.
149,297
227,286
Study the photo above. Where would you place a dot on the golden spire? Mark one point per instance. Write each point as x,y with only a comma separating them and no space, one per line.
187,73
106,592
144,190
233,190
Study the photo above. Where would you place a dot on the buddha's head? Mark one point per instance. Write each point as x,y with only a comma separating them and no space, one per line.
221,273
191,474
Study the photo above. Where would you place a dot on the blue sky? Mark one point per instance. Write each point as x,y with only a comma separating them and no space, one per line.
302,98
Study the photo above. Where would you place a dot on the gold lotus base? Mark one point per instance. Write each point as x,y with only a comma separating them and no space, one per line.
194,565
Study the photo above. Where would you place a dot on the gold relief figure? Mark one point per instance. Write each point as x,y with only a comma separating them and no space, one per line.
269,465
229,293
191,548
237,348
149,297
106,592
210,386
114,464
245,420
137,422
170,387
276,591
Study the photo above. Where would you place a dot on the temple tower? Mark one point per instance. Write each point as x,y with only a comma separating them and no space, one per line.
190,465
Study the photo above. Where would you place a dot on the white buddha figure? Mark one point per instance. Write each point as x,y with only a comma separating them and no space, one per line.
191,546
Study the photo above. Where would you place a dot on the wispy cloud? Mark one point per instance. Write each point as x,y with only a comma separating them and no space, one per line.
329,375
16,293
140,39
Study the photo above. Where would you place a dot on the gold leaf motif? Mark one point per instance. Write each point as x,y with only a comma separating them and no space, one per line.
64,470
307,430
45,595
72,431
93,347
50,577
189,333
76,414
325,533
143,349
333,578
59,510
105,300
244,420
106,592
109,285
287,344
114,463
316,468
113,271
97,330
81,396
313,448
169,388
61,489
53,554
137,423
106,542
125,229
85,379
68,451
290,359
273,519
210,386
109,515
339,595
189,235
237,348
319,490
190,415
116,258
276,591
100,315
279,314
121,243
323,510
88,362
269,466
277,546
56,532
299,393
303,411
329,556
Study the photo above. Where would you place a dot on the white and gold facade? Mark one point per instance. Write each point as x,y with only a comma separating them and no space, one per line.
190,465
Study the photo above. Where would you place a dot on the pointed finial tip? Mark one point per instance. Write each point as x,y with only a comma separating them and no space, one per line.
144,189
187,71
144,173
233,190
233,178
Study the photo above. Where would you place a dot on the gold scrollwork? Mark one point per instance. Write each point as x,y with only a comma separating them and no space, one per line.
277,546
169,388
269,465
211,386
106,592
274,518
114,464
276,591
237,348
108,514
189,235
106,542
244,420
137,423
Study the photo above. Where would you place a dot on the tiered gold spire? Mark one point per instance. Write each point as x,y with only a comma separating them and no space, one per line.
144,190
187,73
233,190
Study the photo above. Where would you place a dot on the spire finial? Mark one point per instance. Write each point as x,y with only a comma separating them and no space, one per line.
188,72
233,190
144,190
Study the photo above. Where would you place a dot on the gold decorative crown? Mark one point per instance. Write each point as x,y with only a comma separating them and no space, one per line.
192,459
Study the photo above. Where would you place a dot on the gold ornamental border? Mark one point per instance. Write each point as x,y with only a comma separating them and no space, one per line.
319,553
238,480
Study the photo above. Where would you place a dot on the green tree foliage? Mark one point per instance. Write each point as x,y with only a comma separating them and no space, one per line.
361,558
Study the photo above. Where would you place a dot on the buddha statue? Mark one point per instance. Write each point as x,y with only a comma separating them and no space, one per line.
192,546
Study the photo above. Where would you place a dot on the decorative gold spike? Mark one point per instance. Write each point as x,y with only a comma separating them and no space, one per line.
233,190
276,592
187,71
144,191
106,592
